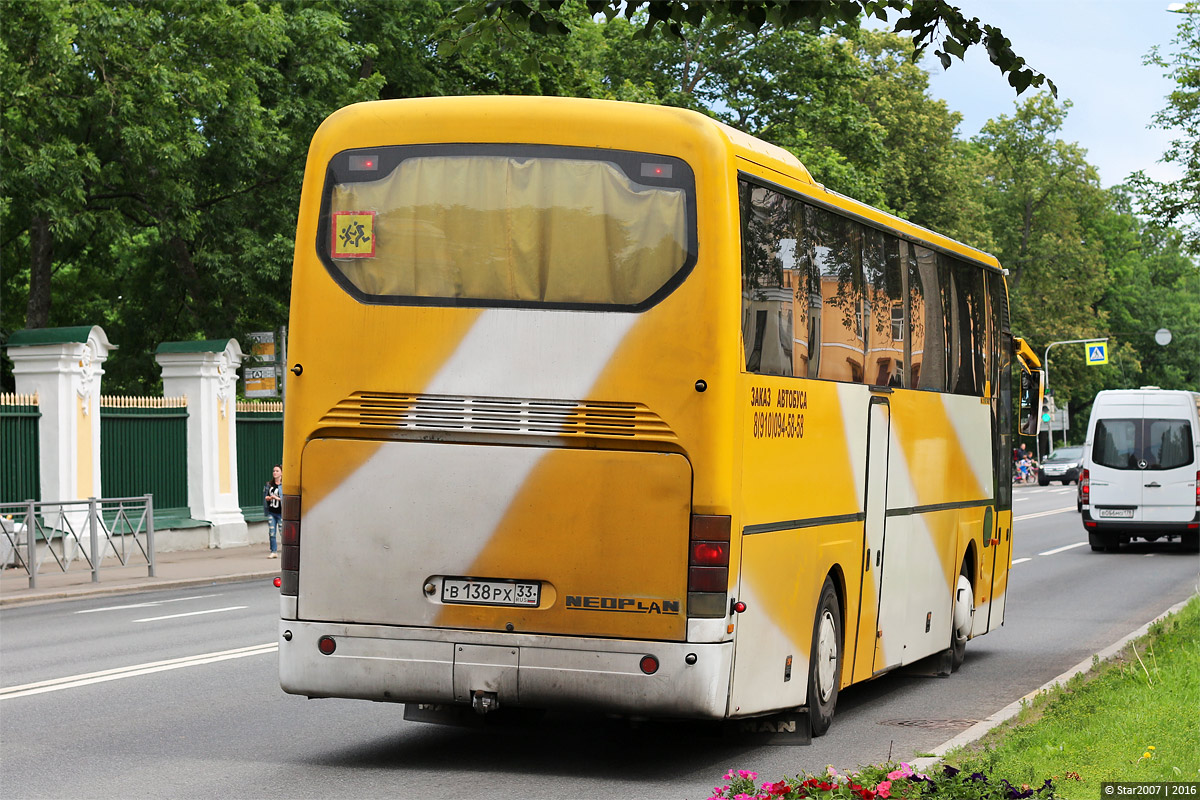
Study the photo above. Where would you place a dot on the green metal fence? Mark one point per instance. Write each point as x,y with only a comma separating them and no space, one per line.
143,450
259,448
19,476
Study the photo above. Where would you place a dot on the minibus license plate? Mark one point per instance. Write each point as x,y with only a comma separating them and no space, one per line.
1119,513
491,593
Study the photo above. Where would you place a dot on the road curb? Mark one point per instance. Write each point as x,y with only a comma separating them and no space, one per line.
977,731
98,591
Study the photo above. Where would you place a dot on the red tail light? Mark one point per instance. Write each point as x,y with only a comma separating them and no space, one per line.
1198,488
710,554
1085,487
289,550
708,566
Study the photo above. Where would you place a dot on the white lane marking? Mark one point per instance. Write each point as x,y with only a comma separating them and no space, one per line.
191,614
1021,561
1061,549
1063,490
1150,555
145,605
1044,513
1020,499
89,678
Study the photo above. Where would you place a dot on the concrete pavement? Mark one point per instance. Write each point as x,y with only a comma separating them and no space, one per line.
171,570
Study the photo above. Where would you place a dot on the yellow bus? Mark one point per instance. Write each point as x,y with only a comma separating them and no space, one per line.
608,406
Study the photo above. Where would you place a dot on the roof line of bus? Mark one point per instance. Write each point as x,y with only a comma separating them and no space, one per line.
762,154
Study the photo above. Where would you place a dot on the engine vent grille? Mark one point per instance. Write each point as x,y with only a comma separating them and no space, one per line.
498,415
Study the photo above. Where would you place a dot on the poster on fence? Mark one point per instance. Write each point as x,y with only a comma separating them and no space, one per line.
260,372
261,381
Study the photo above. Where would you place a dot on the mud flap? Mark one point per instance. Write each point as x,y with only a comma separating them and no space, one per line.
785,729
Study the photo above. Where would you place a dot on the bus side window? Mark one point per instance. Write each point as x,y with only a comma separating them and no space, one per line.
884,303
967,338
837,251
769,278
927,326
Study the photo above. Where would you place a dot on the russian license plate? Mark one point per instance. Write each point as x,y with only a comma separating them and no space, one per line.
471,591
1117,513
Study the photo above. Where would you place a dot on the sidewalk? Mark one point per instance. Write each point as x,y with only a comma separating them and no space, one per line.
172,570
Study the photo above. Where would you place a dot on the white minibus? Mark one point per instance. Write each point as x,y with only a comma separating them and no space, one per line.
1141,468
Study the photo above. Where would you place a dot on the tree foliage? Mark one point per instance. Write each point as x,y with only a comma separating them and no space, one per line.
145,148
930,22
153,151
1178,202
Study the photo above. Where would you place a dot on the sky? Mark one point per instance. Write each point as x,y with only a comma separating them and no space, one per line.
1093,51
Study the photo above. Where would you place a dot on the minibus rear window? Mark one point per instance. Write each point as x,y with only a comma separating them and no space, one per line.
1143,443
508,225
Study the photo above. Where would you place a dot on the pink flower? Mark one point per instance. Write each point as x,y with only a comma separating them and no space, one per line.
884,789
742,796
747,775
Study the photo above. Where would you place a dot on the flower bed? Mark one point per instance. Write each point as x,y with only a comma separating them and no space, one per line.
888,782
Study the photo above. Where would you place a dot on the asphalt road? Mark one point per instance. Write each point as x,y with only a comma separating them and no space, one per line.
175,694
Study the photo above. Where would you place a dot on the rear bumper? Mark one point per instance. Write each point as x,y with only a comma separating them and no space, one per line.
1138,528
418,665
1070,474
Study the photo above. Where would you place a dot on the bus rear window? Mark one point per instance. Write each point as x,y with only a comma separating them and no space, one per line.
1143,443
508,226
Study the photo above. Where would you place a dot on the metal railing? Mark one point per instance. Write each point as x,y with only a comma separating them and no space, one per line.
67,531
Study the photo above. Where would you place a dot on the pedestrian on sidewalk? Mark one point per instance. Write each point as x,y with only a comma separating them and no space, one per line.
273,507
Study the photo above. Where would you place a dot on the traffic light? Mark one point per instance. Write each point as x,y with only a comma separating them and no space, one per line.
1048,409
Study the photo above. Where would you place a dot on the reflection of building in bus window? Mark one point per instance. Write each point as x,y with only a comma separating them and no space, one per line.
885,300
928,322
967,340
768,260
837,252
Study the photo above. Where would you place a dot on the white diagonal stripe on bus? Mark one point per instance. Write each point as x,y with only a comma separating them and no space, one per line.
72,681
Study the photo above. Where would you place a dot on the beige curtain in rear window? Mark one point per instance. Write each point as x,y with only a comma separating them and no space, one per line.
502,228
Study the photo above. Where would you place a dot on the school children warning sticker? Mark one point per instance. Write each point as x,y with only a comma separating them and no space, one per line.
353,234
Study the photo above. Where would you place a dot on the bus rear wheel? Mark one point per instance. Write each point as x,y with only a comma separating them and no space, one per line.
825,660
964,615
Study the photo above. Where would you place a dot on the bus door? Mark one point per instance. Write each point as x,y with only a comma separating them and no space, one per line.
882,606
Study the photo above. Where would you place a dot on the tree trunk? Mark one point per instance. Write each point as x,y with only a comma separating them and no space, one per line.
37,312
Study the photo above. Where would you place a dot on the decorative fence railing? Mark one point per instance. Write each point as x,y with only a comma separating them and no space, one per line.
69,531
19,475
259,448
143,449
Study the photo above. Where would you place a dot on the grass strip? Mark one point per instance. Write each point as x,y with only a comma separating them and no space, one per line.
1133,718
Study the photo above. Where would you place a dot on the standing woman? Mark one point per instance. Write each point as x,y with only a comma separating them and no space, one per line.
273,507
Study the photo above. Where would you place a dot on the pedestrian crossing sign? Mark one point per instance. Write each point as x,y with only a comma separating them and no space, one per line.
1097,353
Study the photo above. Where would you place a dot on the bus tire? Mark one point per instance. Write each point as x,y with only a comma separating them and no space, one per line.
964,615
825,660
